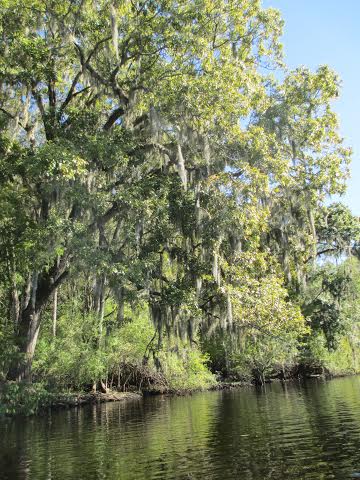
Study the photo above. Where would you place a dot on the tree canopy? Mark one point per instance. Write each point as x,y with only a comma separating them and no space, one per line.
151,158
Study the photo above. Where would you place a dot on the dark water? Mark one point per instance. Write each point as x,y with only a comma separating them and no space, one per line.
281,432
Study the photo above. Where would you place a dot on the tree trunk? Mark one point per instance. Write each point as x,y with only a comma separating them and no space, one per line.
29,326
54,315
42,288
55,305
313,234
15,305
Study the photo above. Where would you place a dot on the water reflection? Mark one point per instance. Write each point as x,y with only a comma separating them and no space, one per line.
309,431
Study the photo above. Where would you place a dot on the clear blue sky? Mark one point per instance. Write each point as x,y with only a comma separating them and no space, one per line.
321,32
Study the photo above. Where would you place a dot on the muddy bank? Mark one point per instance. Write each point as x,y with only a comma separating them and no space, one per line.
29,399
99,397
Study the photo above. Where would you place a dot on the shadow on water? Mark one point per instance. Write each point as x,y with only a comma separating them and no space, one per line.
281,431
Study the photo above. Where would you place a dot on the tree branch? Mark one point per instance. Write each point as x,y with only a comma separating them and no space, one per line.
115,115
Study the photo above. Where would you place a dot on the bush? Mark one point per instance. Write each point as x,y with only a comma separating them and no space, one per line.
23,399
186,369
343,360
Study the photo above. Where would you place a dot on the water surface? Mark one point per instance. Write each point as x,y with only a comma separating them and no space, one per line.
282,432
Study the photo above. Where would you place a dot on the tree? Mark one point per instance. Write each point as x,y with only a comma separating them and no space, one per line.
101,113
143,148
301,118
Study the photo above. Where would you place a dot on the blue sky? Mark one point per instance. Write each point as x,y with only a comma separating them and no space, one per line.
319,32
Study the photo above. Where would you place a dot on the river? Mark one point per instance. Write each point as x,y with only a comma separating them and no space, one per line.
289,431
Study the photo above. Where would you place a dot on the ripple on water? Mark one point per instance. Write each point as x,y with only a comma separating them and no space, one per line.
295,431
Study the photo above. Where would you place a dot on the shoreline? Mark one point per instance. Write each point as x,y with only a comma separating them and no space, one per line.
80,399
59,401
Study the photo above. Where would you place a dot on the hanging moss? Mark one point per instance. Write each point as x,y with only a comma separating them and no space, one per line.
114,30
216,268
181,166
229,310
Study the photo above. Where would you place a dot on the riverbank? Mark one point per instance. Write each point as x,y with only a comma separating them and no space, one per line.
98,397
31,399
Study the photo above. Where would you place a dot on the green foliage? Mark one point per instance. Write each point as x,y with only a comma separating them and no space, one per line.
23,399
186,369
342,361
150,170
253,356
331,289
332,306
8,351
263,356
338,230
77,357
